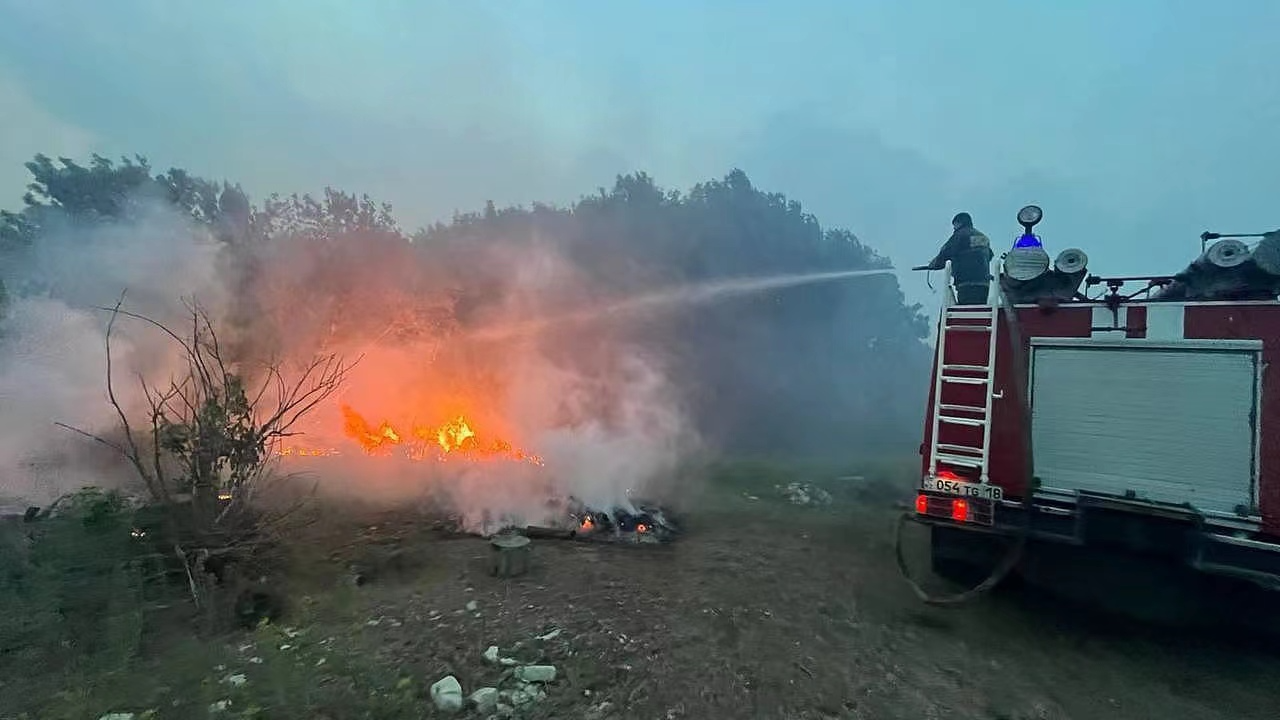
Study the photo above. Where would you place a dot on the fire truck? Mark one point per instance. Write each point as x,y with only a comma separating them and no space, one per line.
1130,414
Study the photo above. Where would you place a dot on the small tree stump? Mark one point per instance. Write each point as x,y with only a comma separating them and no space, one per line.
510,555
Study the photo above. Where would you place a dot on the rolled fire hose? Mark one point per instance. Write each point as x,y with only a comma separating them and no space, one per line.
1266,255
1019,544
1071,261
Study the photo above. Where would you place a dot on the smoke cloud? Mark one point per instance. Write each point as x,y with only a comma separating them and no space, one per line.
500,428
53,343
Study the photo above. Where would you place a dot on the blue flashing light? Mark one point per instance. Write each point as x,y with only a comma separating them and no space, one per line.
1028,240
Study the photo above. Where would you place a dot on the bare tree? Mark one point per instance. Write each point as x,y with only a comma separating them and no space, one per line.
208,438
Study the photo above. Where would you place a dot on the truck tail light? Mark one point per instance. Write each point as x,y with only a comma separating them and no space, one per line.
922,504
960,510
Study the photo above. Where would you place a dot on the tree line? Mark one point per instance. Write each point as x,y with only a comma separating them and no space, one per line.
832,369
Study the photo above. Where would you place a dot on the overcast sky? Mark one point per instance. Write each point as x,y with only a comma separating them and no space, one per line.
1136,124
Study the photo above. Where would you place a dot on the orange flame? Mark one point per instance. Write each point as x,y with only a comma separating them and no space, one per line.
456,438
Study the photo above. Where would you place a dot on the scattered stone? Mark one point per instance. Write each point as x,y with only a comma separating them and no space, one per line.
472,605
550,636
446,693
805,494
485,699
117,716
219,706
491,655
536,673
236,680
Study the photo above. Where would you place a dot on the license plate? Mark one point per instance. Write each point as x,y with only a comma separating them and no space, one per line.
963,489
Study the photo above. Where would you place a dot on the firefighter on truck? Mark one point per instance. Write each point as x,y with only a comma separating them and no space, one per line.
969,252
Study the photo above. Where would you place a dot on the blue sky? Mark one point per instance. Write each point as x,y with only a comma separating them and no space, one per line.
1136,124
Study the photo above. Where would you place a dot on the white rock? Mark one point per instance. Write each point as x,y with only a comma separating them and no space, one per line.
236,680
472,605
219,706
491,655
536,673
485,699
117,716
551,635
446,693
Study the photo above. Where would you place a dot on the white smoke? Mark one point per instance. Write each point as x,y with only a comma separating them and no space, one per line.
53,343
597,409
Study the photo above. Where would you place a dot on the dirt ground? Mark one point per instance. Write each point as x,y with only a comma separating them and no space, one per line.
763,609
773,611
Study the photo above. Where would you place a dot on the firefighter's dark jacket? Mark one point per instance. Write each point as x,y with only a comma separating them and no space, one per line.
970,254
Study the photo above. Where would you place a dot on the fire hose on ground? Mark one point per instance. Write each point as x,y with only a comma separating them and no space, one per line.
1017,547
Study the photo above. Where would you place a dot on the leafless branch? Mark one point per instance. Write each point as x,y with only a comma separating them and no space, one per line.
154,484
96,438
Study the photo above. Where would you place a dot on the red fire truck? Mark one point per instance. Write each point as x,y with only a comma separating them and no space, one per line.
1142,420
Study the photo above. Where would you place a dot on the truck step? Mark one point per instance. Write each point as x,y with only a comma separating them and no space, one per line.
973,422
970,328
948,447
965,380
960,460
967,368
969,314
962,408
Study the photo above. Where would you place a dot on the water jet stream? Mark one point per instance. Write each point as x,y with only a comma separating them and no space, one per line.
693,294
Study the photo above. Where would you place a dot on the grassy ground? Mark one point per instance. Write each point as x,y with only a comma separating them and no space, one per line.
765,609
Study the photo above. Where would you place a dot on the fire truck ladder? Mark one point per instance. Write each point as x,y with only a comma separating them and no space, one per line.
976,319
964,319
